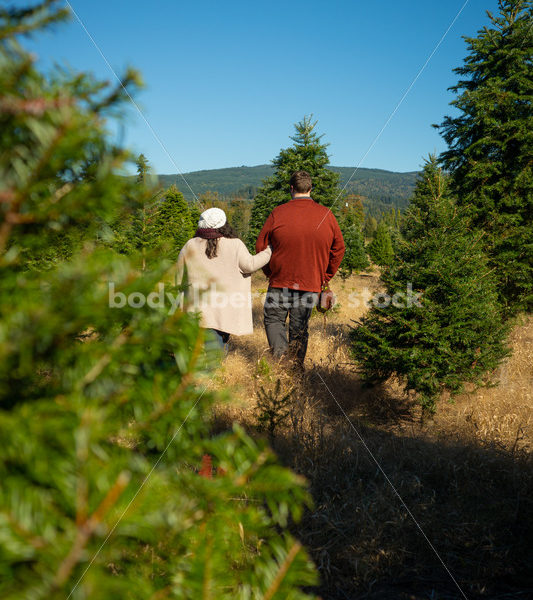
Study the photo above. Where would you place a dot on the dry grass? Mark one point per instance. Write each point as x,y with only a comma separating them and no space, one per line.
465,474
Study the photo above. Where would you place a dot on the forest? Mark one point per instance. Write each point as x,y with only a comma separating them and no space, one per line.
381,189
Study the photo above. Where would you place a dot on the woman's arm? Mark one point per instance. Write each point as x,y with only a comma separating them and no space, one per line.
179,268
263,239
249,263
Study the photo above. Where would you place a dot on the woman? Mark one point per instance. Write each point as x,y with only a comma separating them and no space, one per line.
216,266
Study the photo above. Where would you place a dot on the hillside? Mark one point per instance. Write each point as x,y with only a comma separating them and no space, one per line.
382,188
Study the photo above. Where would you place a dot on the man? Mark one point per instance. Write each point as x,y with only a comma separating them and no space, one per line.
307,249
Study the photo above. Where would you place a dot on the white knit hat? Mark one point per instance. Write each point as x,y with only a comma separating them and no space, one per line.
212,218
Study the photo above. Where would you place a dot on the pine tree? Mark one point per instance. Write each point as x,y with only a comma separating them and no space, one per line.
351,211
172,224
102,430
141,237
355,258
143,168
135,233
210,199
195,210
351,217
453,332
238,212
128,225
309,154
393,219
490,145
380,248
370,227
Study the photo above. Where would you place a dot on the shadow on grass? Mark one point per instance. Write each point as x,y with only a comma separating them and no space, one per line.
337,390
473,500
474,503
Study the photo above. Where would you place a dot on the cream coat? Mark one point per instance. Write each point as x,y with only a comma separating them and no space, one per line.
220,287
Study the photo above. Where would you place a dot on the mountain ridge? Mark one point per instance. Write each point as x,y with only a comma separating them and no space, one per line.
382,189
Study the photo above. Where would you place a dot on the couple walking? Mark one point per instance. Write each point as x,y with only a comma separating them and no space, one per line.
299,248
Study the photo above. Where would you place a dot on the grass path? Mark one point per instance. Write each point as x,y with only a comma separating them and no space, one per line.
465,474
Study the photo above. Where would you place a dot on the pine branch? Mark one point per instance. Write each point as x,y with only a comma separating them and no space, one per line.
25,21
186,380
86,529
104,360
282,571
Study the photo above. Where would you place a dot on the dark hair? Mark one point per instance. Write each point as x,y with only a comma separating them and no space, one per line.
301,182
227,231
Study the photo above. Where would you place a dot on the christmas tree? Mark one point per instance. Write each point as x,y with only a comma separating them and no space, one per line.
490,145
351,217
380,248
370,227
102,423
172,224
308,154
438,323
133,229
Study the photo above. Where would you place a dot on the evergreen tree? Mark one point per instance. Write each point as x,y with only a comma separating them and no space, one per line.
141,237
356,203
355,258
351,218
352,211
129,224
211,199
393,219
172,224
490,145
453,332
143,168
195,210
238,212
136,234
309,154
380,248
370,227
102,432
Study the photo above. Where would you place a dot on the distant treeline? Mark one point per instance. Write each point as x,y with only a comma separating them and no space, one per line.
381,189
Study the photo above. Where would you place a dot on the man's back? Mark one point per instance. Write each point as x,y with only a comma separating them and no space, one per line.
307,245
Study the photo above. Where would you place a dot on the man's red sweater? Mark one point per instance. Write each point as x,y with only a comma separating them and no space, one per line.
307,245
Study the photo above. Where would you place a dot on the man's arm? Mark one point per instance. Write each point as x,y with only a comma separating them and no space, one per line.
336,251
263,239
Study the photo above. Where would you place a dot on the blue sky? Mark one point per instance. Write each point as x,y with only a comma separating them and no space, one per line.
226,81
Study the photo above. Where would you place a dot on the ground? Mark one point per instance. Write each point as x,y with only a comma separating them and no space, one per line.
405,505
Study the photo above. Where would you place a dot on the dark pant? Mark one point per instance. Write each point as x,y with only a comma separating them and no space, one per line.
298,305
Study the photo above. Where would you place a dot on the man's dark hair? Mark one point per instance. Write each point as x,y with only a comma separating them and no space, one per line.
301,182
